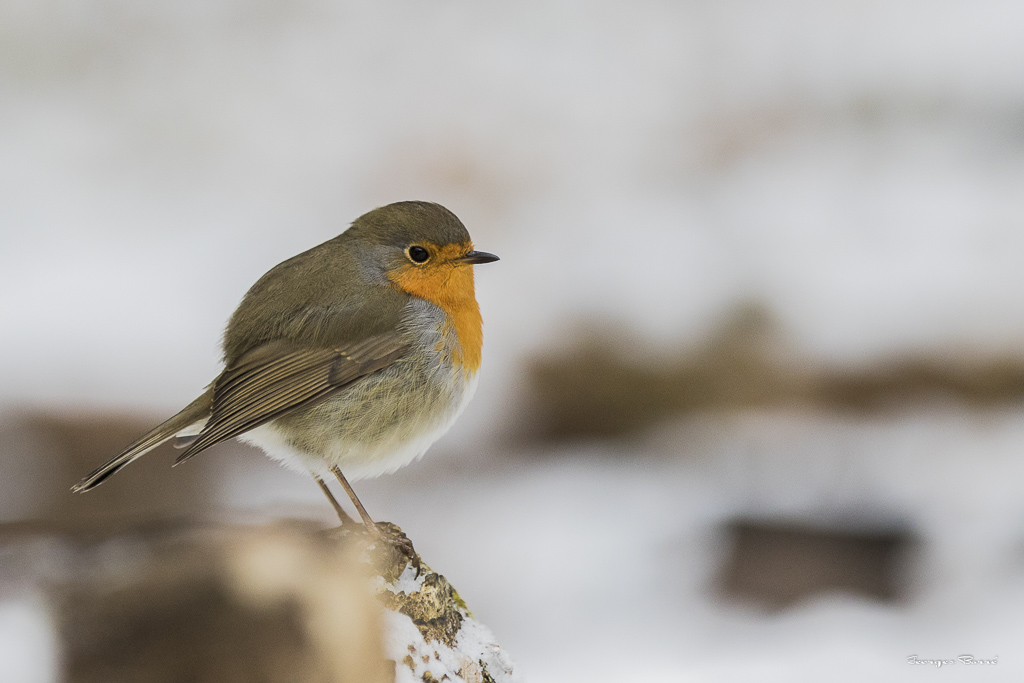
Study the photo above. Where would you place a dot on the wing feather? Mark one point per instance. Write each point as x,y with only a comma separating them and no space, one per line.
277,378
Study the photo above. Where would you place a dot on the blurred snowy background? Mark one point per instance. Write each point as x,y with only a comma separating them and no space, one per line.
751,405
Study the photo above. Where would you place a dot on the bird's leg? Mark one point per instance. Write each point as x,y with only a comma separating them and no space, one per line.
342,515
386,532
355,500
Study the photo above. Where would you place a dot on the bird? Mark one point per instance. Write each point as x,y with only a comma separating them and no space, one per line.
350,359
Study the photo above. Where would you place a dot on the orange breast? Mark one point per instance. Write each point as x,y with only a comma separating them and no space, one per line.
450,287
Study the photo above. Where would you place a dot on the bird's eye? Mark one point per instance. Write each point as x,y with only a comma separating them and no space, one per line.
417,254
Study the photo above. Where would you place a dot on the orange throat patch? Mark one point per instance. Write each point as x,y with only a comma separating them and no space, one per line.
448,285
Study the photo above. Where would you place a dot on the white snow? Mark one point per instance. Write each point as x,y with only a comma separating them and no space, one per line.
409,582
474,643
28,645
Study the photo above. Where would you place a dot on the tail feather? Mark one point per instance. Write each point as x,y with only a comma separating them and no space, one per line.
194,412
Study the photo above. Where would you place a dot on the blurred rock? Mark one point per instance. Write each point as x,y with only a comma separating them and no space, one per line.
613,386
597,389
45,453
289,602
220,605
975,380
775,565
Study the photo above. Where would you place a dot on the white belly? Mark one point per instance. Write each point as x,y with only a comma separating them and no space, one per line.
361,459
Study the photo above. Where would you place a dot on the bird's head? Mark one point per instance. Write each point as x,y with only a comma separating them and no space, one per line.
420,248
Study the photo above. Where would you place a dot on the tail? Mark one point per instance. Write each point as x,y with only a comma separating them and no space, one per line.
194,412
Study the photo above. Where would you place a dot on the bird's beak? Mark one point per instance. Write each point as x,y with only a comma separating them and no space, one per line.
476,257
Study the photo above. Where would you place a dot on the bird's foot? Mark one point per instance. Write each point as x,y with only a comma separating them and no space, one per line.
399,544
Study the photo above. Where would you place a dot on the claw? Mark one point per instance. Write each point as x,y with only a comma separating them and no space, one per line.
396,538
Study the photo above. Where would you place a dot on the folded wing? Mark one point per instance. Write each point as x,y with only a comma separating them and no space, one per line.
279,377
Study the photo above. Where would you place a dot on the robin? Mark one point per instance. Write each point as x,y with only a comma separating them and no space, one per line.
353,356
